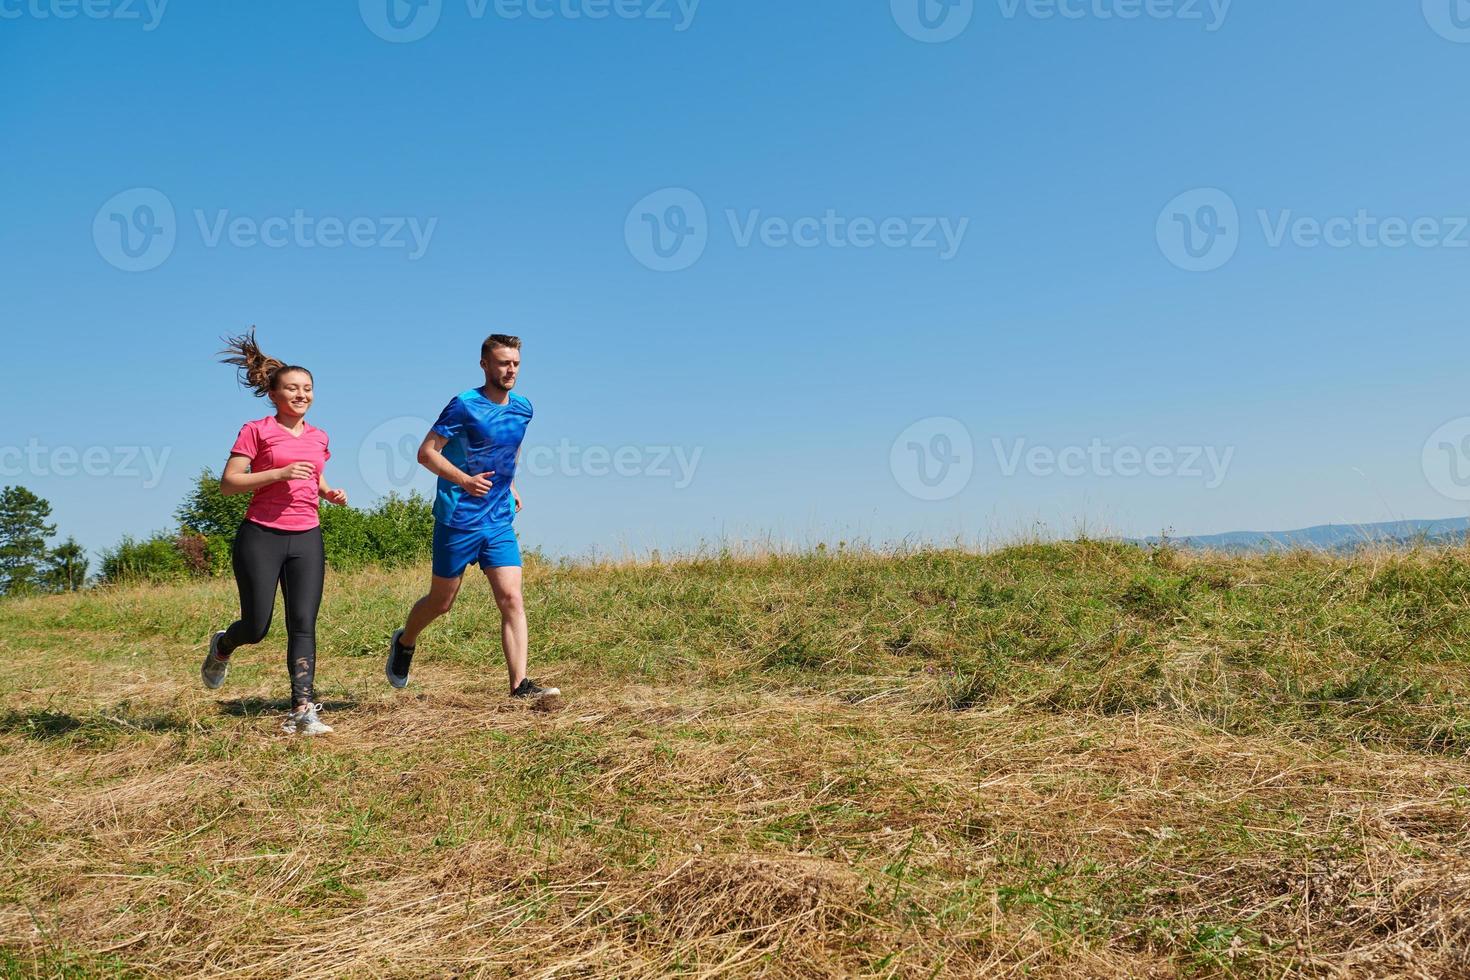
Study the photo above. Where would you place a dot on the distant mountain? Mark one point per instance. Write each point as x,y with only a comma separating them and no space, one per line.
1331,537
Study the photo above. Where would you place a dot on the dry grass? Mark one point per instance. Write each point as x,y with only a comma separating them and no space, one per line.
785,768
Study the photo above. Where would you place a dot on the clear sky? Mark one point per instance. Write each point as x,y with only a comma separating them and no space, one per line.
863,269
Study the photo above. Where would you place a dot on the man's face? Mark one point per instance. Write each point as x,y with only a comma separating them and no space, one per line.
501,366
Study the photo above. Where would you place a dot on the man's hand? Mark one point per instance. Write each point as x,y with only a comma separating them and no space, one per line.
296,471
477,486
336,496
516,496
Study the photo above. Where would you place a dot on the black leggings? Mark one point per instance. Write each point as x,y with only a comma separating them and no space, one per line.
262,557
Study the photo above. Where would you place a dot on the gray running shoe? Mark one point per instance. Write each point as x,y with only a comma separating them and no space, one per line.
400,658
530,690
215,667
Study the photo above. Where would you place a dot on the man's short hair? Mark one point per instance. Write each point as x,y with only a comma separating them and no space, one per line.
499,340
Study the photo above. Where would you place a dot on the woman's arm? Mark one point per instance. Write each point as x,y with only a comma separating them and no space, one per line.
237,477
338,497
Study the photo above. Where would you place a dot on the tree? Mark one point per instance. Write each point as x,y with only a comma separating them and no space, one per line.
23,534
208,511
66,568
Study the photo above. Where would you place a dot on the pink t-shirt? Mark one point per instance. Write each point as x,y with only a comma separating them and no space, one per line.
290,505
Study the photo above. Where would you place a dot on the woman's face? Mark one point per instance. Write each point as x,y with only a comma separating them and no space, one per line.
292,393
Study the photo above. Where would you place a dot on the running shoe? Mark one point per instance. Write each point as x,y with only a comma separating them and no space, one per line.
530,690
215,667
306,722
399,659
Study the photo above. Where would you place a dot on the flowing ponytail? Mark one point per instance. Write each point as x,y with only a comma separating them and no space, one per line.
256,371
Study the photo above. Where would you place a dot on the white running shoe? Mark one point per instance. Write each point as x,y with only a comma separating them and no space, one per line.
306,722
215,667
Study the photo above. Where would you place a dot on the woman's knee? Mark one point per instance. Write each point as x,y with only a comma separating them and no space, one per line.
254,631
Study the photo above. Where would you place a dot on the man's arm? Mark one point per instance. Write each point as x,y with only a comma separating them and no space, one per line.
513,494
432,458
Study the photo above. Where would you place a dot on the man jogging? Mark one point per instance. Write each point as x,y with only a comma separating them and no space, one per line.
472,449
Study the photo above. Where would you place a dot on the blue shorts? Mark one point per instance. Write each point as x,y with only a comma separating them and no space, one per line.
457,548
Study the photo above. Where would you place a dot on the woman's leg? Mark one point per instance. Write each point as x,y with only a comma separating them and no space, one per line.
257,558
302,579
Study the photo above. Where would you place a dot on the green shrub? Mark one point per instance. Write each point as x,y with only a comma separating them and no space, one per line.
396,531
153,559
208,511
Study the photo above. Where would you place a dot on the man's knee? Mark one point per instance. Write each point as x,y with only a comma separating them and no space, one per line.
439,603
510,603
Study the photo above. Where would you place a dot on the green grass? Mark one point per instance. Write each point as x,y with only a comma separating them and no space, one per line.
1063,760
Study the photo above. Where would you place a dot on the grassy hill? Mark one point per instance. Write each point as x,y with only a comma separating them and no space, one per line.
1064,760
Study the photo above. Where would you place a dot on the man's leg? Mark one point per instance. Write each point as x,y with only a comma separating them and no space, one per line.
505,582
438,602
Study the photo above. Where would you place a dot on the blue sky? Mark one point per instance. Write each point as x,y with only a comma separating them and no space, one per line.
377,201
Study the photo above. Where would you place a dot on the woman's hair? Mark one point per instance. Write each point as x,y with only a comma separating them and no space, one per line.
257,371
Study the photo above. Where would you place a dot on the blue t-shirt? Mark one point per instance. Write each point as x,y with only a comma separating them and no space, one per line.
483,437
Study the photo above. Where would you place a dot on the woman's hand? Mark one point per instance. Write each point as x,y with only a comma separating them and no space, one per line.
296,471
336,496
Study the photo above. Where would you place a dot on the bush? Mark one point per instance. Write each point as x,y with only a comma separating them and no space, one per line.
396,531
153,559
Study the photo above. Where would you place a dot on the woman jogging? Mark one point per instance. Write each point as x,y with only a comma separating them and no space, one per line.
279,460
